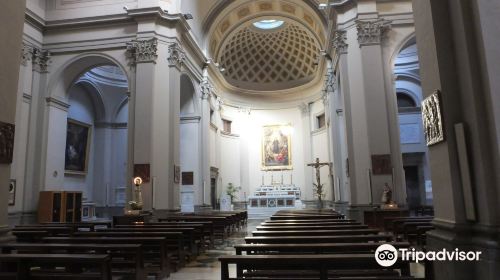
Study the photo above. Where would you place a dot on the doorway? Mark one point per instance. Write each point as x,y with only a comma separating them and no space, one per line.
412,186
214,175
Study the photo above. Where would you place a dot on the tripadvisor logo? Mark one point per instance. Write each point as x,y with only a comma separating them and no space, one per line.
387,255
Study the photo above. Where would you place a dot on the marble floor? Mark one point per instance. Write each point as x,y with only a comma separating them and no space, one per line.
207,266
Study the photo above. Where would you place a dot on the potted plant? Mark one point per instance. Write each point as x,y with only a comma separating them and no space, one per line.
319,192
232,190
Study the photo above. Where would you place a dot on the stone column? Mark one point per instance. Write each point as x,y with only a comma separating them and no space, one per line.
370,35
337,128
340,109
308,174
206,90
459,56
333,174
176,57
35,82
156,121
10,46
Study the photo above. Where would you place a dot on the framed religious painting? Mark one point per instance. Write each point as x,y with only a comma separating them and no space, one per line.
276,147
78,136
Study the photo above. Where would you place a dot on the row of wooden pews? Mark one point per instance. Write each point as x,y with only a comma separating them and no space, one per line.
312,244
134,249
412,229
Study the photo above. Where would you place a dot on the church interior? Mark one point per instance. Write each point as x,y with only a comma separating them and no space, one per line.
250,139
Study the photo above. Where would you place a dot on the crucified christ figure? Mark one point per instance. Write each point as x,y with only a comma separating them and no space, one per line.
319,187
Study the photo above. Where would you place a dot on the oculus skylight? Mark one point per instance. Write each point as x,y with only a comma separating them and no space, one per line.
268,24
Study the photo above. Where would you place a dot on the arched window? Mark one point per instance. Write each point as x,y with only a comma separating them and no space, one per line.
405,101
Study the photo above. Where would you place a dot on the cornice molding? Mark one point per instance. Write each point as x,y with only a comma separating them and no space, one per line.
57,103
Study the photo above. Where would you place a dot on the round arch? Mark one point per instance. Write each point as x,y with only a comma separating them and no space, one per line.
95,95
188,95
71,71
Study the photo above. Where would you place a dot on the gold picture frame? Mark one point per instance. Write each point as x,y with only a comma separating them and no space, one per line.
276,147
76,154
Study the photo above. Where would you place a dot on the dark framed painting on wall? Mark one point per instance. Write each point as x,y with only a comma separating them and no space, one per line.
77,147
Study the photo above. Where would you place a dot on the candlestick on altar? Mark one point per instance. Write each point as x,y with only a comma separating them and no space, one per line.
291,179
282,177
263,179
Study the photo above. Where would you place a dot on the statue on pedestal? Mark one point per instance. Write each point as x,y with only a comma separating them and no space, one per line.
136,204
386,200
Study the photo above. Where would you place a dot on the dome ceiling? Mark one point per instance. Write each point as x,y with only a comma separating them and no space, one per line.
270,60
267,46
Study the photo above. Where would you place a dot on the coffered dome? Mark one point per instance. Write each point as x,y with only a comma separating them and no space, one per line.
269,55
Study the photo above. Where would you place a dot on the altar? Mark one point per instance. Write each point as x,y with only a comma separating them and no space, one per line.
268,199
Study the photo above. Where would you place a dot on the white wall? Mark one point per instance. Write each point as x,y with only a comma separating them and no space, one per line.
241,153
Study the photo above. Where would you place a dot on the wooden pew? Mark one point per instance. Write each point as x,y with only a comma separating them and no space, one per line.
123,256
51,230
154,250
313,248
81,226
410,229
321,264
397,224
318,239
315,232
309,227
208,228
174,242
310,217
221,225
76,266
312,221
190,238
29,235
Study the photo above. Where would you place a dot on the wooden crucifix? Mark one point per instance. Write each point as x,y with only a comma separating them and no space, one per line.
317,165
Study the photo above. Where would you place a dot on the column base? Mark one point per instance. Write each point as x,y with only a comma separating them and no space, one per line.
22,218
451,236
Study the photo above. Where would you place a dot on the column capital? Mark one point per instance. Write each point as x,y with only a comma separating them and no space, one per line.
206,89
176,55
304,108
41,60
371,32
26,54
140,51
331,81
219,102
339,43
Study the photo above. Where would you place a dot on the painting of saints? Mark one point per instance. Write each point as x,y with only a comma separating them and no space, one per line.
276,147
77,146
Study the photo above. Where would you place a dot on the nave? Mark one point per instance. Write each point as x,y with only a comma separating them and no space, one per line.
293,244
